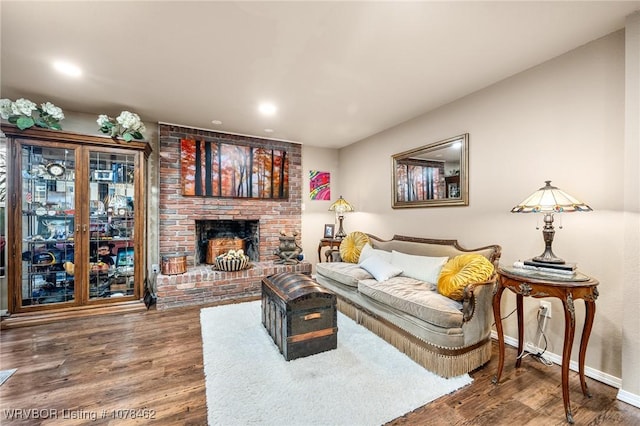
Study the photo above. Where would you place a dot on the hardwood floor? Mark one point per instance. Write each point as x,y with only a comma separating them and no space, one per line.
151,362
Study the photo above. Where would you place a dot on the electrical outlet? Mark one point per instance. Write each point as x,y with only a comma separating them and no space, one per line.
155,268
546,308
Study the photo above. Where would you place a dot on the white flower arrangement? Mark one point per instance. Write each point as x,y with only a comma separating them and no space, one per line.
21,114
127,125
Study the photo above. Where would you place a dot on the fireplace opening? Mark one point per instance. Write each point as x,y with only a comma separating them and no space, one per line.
215,237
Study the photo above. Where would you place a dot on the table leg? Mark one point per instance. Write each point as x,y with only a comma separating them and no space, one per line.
569,330
499,332
519,304
590,313
319,255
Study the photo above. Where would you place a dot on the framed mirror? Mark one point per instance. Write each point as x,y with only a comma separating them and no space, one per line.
434,175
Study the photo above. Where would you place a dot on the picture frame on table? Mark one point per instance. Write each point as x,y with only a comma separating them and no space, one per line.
329,230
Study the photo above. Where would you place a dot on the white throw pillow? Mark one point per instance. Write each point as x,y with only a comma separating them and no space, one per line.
368,251
423,268
380,269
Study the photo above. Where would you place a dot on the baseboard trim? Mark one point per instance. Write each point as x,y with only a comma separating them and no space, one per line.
592,373
616,382
629,398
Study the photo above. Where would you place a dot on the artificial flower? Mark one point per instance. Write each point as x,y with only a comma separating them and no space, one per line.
21,113
127,125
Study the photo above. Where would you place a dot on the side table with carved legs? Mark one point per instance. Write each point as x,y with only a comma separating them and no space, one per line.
524,284
328,242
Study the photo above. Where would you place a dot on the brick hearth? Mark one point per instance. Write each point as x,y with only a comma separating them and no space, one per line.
178,215
202,284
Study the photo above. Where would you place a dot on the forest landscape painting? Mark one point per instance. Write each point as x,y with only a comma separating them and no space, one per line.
217,169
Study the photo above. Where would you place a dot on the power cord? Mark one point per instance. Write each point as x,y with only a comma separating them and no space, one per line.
539,355
504,318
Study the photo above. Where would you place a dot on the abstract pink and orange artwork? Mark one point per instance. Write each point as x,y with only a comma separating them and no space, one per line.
319,185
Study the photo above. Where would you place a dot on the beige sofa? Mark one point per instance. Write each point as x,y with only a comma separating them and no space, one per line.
446,336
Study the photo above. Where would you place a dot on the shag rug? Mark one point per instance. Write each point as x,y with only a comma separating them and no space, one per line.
5,374
365,381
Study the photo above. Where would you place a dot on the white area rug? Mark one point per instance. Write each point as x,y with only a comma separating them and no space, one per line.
365,381
5,374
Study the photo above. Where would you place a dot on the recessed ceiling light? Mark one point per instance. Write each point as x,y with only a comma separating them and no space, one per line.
216,122
67,68
267,108
268,130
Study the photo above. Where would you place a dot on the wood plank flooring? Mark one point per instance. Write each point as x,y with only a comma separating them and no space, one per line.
152,361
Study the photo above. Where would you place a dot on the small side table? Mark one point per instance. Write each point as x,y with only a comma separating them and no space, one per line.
327,242
525,283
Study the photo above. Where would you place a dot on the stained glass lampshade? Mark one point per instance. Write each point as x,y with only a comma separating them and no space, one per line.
341,206
549,200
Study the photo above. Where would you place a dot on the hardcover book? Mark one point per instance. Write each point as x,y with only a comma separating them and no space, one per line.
559,266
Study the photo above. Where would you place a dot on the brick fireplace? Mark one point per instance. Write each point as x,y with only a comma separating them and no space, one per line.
187,222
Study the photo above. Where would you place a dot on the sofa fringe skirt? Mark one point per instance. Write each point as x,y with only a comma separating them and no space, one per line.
446,365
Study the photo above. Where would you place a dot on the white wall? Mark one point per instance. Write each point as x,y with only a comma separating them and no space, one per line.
562,120
630,390
315,213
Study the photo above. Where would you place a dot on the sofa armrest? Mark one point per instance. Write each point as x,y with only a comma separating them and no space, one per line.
332,255
470,296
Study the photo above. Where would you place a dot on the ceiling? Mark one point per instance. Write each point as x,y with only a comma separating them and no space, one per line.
338,72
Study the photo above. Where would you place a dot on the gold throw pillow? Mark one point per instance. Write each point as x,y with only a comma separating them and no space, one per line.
351,246
462,270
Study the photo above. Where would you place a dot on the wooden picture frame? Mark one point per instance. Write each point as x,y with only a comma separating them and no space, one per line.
329,230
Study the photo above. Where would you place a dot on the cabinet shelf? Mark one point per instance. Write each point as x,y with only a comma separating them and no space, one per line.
62,241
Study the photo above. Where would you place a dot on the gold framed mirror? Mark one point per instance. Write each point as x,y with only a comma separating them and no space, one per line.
434,175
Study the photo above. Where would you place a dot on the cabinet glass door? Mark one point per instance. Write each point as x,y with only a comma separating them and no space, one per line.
47,225
111,224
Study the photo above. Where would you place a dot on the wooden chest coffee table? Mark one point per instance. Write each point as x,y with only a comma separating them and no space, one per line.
299,314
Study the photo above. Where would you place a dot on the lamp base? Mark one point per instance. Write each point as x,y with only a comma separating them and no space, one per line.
340,234
546,258
547,234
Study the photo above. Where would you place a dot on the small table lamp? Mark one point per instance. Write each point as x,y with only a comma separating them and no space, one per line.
341,206
549,200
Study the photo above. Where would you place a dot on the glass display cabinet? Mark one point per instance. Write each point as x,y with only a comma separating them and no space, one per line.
76,220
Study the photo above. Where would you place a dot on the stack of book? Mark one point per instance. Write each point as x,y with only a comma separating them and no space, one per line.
565,269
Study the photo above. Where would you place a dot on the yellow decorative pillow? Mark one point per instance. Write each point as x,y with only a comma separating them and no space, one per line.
351,246
462,270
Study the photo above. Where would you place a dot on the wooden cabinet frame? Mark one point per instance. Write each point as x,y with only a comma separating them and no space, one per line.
82,146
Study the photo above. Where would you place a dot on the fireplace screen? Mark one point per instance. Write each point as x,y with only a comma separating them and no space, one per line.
216,169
